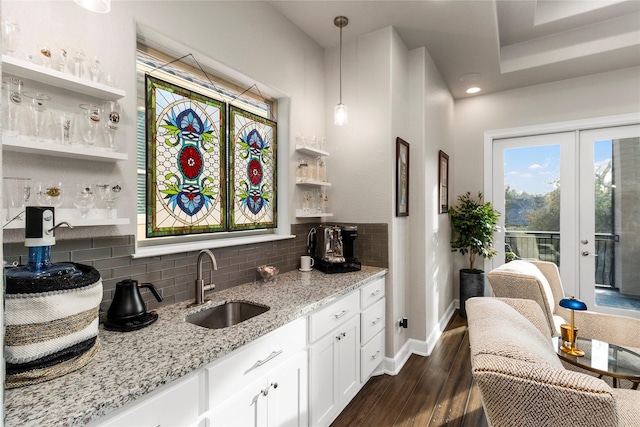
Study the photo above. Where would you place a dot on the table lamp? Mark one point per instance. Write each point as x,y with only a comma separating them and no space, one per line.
569,332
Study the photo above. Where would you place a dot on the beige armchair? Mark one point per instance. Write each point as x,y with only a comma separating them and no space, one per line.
540,281
521,379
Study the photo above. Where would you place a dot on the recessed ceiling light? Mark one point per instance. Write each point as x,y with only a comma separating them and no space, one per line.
474,89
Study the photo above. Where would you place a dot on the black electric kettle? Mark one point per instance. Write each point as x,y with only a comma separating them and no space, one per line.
127,311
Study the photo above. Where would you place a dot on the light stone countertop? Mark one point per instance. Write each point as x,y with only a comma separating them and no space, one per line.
131,364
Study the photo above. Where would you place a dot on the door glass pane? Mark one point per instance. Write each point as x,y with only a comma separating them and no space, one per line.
532,202
617,222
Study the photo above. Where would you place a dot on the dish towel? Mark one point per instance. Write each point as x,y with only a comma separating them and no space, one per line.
51,326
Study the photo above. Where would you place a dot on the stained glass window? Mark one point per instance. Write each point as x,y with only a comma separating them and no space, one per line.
252,170
185,161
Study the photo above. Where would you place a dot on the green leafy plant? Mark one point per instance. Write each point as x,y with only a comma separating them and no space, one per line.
509,256
473,225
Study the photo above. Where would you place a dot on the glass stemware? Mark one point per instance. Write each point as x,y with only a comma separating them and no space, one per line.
109,193
112,113
78,57
17,192
16,113
39,114
84,199
90,123
10,37
50,194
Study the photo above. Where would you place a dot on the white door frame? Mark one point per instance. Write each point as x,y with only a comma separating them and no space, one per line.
567,126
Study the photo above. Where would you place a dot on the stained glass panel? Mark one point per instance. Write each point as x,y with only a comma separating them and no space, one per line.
253,170
185,161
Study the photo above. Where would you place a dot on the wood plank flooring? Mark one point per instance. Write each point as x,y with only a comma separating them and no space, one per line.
429,391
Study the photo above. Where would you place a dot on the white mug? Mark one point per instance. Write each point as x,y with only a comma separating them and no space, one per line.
306,262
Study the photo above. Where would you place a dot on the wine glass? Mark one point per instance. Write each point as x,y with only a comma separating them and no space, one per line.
10,37
84,198
109,193
112,113
50,194
90,123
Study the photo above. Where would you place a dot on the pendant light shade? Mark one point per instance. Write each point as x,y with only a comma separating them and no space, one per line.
98,6
341,116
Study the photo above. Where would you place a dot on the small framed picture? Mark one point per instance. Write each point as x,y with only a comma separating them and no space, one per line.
443,182
402,177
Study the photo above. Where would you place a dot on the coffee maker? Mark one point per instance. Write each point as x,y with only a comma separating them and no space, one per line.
333,248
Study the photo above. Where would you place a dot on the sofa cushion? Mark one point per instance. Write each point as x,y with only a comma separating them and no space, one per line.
496,328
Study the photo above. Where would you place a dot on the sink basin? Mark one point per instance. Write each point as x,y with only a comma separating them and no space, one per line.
225,315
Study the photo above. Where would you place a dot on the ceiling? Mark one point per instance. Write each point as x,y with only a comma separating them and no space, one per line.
510,43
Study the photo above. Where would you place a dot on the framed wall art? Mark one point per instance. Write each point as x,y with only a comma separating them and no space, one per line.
185,161
402,177
443,182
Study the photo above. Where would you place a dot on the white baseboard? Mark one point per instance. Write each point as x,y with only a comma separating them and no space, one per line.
392,366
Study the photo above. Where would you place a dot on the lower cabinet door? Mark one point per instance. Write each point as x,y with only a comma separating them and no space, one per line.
246,408
287,398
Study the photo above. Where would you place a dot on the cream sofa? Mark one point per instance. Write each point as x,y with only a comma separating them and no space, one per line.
540,281
521,379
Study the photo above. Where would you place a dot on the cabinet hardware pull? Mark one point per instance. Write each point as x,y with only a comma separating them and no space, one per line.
373,294
375,355
266,390
340,336
262,362
342,313
375,322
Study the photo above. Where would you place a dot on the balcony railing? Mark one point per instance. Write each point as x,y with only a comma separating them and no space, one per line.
545,246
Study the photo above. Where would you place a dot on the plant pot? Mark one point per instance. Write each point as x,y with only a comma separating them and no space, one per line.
471,285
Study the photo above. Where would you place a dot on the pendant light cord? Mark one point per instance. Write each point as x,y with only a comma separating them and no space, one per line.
340,64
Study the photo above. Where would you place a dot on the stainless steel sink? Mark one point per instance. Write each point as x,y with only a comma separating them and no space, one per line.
225,315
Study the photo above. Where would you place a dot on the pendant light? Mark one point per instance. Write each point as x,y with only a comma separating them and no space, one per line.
98,6
341,114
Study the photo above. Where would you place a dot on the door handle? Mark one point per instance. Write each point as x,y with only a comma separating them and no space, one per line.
585,253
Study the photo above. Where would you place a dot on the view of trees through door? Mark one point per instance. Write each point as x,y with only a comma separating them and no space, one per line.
568,198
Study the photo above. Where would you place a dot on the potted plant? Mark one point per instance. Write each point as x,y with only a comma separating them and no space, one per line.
509,256
473,224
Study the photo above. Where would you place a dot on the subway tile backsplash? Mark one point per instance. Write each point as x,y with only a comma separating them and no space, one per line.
174,274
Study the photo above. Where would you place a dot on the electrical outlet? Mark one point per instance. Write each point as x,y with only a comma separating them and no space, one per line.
403,323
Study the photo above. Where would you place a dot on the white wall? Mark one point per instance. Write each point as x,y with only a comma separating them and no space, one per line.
231,33
616,92
391,93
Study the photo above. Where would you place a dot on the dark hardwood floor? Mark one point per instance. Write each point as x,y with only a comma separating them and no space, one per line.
429,391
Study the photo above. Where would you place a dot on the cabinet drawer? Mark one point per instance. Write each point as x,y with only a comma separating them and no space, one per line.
371,355
371,293
372,321
252,361
172,405
333,315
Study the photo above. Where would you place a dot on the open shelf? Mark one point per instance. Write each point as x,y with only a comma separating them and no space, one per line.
22,144
27,70
95,217
312,183
300,214
311,151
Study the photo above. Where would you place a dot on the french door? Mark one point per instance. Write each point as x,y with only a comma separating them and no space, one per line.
572,197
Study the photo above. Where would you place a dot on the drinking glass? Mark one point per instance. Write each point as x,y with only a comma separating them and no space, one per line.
17,194
10,37
94,70
16,113
40,117
84,198
50,194
109,193
63,122
112,112
78,57
90,123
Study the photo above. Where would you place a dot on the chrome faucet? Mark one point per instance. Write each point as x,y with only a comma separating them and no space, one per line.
200,286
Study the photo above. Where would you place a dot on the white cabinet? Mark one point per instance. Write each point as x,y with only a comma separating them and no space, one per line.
279,399
177,404
334,358
272,377
372,304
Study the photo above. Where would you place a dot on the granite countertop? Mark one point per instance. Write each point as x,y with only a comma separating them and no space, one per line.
132,364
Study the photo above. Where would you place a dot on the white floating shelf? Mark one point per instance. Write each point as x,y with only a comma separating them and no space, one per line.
95,217
38,73
311,151
312,182
300,214
22,144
